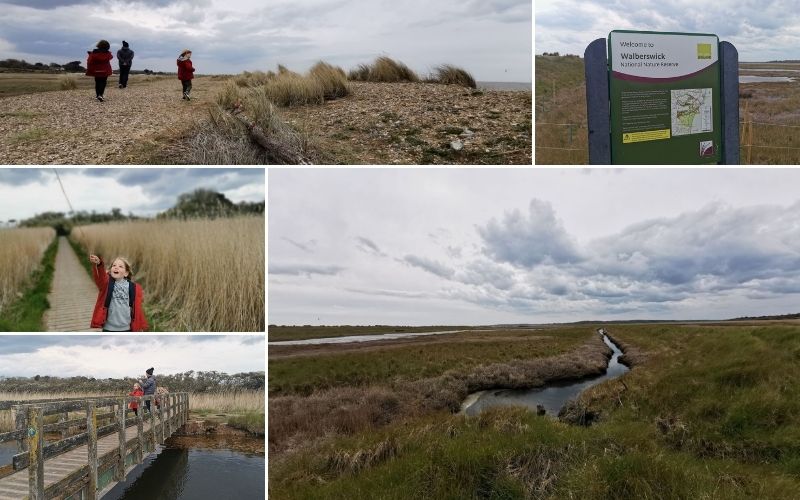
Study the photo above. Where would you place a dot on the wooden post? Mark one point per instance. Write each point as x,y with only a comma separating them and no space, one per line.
35,442
161,421
21,424
598,113
63,417
120,472
152,424
140,429
91,434
167,407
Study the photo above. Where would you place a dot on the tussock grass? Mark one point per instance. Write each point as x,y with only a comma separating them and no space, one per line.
234,401
452,75
21,251
68,82
207,275
292,89
384,69
253,78
332,79
252,422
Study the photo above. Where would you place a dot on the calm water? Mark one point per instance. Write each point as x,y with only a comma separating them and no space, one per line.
552,397
779,70
182,472
759,79
360,338
7,452
505,86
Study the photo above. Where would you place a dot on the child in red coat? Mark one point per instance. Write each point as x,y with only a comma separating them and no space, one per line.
137,392
98,65
186,72
119,300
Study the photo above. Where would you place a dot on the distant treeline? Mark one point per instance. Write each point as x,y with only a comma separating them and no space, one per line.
191,381
556,54
777,316
70,67
199,203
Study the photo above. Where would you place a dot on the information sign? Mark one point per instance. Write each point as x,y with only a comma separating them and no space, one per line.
665,98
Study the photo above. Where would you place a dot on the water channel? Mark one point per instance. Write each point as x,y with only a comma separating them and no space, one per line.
552,397
764,79
374,337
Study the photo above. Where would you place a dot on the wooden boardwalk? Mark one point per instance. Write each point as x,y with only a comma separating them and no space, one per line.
85,465
72,295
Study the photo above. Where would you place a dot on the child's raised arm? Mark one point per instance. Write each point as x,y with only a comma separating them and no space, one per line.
98,272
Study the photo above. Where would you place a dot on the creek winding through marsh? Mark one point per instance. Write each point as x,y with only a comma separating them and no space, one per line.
552,396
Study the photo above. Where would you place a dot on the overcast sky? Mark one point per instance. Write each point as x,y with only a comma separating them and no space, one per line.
489,38
25,192
128,355
761,30
389,246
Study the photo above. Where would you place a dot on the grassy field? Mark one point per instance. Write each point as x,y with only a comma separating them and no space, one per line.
12,83
708,411
202,275
27,257
768,113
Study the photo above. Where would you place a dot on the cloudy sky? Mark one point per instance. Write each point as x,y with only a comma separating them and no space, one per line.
25,192
476,246
489,38
126,355
761,30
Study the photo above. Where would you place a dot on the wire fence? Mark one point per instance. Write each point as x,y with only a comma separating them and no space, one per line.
572,143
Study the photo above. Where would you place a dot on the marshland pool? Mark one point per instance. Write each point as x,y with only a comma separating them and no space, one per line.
552,397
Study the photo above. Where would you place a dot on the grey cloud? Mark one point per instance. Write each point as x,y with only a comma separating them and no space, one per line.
304,269
485,272
430,265
306,247
368,246
22,176
529,240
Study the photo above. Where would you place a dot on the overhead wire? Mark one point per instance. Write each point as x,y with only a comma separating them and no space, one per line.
69,203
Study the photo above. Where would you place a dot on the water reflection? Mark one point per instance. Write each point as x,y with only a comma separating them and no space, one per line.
7,452
760,79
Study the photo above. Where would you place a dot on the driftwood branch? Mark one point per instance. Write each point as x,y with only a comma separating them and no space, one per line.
278,150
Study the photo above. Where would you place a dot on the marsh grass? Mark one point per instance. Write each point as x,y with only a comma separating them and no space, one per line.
710,412
21,251
281,332
26,294
452,75
208,274
383,69
68,82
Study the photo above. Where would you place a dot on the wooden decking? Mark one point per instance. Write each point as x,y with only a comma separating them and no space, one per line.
72,295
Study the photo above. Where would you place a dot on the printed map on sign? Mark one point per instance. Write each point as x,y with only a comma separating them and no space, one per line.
691,111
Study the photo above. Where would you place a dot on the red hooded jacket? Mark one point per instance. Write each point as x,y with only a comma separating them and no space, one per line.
133,405
101,279
99,63
185,69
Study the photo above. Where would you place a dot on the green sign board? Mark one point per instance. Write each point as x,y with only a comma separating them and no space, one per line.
664,97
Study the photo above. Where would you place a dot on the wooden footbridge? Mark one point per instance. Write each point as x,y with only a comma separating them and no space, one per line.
83,457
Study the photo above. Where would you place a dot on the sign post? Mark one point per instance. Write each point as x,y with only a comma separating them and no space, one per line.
662,98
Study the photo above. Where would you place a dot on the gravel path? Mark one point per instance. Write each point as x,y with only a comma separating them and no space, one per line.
72,295
71,127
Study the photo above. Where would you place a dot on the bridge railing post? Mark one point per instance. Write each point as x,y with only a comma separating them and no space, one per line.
120,472
161,422
140,428
21,424
63,417
168,409
35,442
152,424
91,434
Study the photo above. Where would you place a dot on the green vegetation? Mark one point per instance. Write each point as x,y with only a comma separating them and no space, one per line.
252,422
25,314
426,358
708,411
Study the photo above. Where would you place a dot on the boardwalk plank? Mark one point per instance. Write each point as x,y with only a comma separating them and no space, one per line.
72,295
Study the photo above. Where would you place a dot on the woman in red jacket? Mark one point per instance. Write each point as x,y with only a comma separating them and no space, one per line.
186,72
119,300
98,65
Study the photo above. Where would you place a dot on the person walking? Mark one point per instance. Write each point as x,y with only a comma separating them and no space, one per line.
98,65
125,58
186,72
148,385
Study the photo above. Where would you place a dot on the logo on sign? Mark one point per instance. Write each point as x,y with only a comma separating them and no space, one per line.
704,51
706,148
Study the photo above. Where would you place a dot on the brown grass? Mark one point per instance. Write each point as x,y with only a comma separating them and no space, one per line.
295,420
332,79
68,82
21,251
207,275
384,69
452,75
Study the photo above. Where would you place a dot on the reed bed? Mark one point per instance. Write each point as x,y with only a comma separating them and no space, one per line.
21,251
204,274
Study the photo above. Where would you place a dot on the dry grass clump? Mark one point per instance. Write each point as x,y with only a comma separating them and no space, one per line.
292,89
21,250
208,275
234,401
253,78
332,78
384,69
452,75
67,82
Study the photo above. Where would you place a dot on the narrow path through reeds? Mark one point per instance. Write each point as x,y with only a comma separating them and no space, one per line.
72,296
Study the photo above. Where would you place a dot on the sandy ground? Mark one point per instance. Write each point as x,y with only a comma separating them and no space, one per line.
71,127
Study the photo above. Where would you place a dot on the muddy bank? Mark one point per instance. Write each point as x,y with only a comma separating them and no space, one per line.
632,355
206,434
295,421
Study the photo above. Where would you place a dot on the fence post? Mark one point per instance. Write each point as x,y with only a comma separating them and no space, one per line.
140,428
161,421
598,113
168,409
120,472
152,423
91,434
21,424
63,417
35,443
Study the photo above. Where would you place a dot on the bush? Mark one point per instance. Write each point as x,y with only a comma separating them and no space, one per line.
452,75
384,69
67,82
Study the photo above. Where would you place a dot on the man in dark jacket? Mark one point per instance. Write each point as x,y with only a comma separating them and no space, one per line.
148,386
125,57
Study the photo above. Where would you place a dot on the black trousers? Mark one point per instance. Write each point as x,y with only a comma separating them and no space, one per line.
187,86
100,84
123,75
